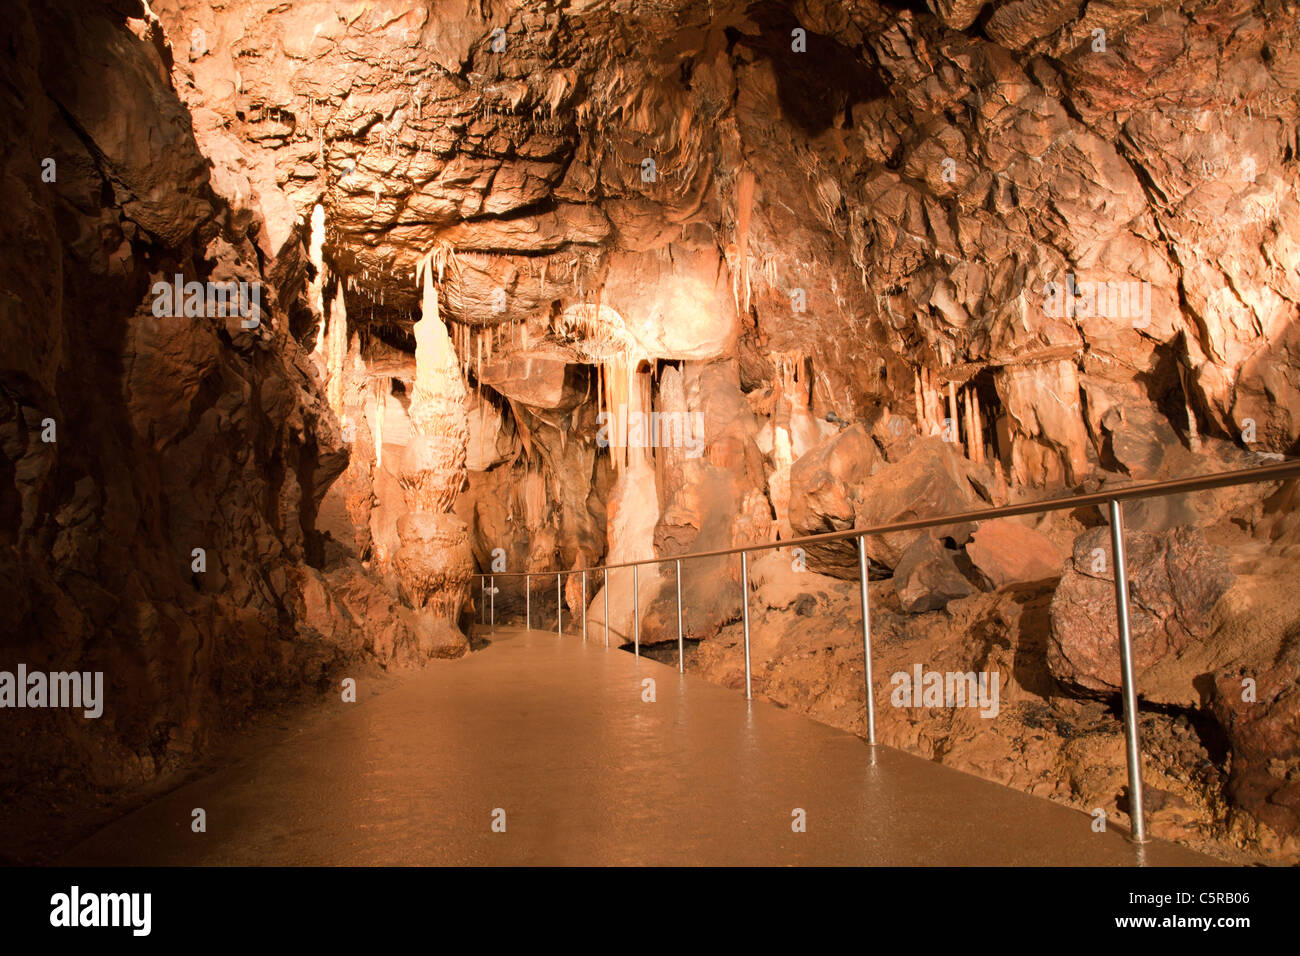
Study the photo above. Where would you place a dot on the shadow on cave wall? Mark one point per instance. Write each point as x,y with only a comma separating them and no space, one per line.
813,86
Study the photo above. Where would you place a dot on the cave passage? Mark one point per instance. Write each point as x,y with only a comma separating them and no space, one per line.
317,313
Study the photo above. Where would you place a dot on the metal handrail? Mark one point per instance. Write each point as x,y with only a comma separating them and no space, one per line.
1112,498
1279,471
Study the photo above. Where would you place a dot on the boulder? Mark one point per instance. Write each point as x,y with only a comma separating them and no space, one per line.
894,435
1175,580
927,577
824,481
536,380
1137,439
1007,552
931,480
780,580
1263,730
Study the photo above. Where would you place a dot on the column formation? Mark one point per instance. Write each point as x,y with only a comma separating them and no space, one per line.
434,562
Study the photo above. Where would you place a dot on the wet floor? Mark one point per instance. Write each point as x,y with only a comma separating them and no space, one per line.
553,740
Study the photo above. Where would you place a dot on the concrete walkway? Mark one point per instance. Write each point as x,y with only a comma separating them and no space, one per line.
555,733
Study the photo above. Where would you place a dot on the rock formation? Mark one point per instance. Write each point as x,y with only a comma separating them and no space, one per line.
434,562
544,286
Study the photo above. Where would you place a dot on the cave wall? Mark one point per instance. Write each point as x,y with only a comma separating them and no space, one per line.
169,433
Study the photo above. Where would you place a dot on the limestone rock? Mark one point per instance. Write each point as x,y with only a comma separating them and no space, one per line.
825,481
926,577
1138,440
1008,552
1175,580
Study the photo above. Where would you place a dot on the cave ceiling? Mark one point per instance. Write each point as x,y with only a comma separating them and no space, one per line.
876,185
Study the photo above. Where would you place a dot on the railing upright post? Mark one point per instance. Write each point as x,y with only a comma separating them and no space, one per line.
866,638
559,606
492,598
744,604
681,658
584,605
1133,753
605,588
528,602
636,610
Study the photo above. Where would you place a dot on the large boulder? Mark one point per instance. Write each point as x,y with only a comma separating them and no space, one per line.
1007,552
825,481
927,577
1259,709
930,480
1175,581
1137,439
531,379
894,435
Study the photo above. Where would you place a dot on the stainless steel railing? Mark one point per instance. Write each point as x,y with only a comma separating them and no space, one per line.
1111,497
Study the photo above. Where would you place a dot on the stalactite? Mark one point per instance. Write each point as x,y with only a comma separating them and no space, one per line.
316,288
921,424
972,437
952,406
380,389
601,407
744,209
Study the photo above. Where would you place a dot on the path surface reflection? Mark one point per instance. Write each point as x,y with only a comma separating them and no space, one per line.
556,733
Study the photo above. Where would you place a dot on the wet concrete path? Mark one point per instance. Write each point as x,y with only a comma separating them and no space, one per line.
555,734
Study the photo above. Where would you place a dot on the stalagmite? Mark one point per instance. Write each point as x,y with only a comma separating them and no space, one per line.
434,562
933,409
336,340
1193,435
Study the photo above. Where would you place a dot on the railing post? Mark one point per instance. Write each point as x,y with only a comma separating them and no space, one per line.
605,578
492,598
866,638
584,605
744,605
1134,755
559,605
482,605
681,659
636,610
528,602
